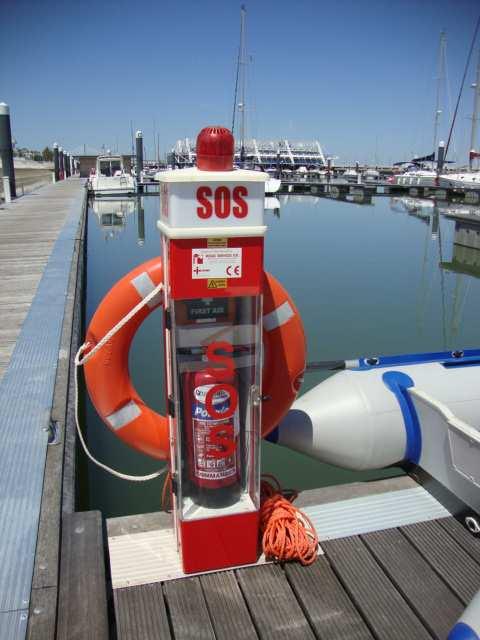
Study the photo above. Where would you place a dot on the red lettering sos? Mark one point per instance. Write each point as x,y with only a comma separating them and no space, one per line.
221,201
223,435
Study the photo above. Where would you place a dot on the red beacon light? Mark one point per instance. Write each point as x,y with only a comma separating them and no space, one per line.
215,149
211,221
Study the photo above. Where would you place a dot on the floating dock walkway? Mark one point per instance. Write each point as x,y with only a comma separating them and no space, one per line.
339,189
40,243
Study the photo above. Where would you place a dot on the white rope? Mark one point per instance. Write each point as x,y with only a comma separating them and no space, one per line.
116,328
81,361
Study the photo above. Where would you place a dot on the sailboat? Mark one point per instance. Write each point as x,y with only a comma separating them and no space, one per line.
421,172
272,185
468,179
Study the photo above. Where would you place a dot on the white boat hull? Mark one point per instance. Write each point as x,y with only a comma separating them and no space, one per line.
460,180
108,186
417,179
272,185
356,420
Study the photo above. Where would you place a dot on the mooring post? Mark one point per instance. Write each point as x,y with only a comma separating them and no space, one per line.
6,189
139,159
359,175
56,163
6,148
440,157
61,173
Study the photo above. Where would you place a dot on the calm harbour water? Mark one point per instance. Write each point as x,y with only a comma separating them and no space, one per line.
368,279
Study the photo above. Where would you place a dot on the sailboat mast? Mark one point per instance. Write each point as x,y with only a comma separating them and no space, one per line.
242,79
476,107
440,80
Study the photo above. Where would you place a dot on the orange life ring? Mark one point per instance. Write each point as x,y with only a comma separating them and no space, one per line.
108,380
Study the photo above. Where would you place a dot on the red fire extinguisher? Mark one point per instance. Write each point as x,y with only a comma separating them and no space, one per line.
211,428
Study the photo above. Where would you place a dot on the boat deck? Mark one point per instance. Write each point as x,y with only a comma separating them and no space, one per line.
409,581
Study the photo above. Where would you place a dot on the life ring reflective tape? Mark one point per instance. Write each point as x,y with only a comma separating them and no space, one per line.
107,375
284,353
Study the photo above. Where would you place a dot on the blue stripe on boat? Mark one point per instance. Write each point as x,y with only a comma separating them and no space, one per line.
398,383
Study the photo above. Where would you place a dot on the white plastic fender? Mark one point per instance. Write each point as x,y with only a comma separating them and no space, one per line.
353,420
468,625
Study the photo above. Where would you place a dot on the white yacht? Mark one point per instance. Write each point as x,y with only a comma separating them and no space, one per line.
272,185
371,175
416,178
350,175
466,180
110,177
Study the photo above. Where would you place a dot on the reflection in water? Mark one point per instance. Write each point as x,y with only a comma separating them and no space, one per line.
342,194
417,207
464,263
466,250
112,215
461,212
272,204
140,222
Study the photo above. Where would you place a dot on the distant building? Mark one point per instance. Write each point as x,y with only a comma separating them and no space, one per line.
87,159
284,154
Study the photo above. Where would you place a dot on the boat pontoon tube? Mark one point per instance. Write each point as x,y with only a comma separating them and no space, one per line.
364,418
468,625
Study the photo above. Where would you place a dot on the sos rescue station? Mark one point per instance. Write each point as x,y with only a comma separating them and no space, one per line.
234,353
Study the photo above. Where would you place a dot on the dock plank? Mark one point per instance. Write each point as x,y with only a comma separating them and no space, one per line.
464,538
430,598
43,608
82,603
272,603
452,563
228,610
188,610
379,602
141,613
328,608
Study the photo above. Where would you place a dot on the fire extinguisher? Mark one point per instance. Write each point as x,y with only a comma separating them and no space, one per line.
211,428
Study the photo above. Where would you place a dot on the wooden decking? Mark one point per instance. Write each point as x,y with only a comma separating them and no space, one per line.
408,582
29,227
40,243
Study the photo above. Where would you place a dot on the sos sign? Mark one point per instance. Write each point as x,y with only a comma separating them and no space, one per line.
223,435
222,202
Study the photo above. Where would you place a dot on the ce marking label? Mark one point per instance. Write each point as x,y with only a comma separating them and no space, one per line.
233,271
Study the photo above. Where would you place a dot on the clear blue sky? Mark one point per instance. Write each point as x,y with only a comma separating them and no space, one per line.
359,76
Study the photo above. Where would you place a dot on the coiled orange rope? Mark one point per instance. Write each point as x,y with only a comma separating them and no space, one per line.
287,533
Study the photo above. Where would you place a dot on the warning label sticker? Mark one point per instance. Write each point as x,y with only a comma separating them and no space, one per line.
217,283
217,242
217,263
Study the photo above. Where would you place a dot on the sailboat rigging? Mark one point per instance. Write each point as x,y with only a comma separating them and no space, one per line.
240,82
272,185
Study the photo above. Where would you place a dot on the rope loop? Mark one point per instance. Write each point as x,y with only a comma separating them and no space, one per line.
287,533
